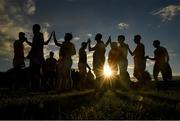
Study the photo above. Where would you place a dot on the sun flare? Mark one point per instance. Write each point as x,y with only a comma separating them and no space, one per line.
107,71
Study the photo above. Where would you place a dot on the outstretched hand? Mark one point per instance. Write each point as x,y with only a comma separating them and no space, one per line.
109,39
147,57
89,41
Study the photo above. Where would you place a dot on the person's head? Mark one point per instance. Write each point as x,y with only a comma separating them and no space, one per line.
22,36
156,43
98,37
51,54
114,45
68,36
36,28
137,39
84,45
121,38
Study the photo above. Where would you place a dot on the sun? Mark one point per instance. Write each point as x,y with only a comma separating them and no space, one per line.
107,71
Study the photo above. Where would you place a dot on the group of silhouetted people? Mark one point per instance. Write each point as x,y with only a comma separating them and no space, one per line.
52,73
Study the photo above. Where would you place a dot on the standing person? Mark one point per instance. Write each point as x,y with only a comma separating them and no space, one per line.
50,71
161,58
98,55
67,50
123,61
36,55
139,59
82,64
18,60
113,58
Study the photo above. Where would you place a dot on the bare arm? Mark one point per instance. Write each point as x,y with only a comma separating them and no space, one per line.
45,43
108,41
88,66
29,43
89,45
55,40
132,53
150,58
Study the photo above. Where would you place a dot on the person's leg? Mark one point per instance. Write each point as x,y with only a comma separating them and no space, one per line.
136,69
166,72
156,71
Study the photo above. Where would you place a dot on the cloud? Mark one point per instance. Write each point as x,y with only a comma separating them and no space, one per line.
2,4
167,13
12,21
89,35
123,26
76,38
45,27
30,7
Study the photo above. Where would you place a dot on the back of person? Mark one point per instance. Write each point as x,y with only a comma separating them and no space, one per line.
18,60
67,50
139,51
123,51
161,55
99,53
82,56
114,55
18,49
37,45
51,64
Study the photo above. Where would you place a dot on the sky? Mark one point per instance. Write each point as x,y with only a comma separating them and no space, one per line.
152,19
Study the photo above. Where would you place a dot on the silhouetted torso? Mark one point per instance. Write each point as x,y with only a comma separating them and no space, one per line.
67,50
113,56
123,51
18,54
36,52
51,64
82,56
99,53
161,55
139,52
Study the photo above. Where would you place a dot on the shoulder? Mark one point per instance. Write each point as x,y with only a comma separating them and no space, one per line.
72,44
54,60
16,41
141,44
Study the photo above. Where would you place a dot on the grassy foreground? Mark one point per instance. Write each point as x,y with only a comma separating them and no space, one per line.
88,104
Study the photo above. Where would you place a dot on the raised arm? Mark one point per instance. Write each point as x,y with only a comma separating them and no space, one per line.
89,45
55,40
29,43
45,43
108,41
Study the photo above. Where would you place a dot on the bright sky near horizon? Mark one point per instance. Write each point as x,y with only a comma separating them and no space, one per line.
152,19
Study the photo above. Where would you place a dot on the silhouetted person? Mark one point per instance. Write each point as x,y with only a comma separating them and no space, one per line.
113,58
50,71
161,59
18,60
139,59
123,61
36,55
98,55
67,50
82,64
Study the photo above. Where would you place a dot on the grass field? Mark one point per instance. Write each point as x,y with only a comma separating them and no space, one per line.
89,104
